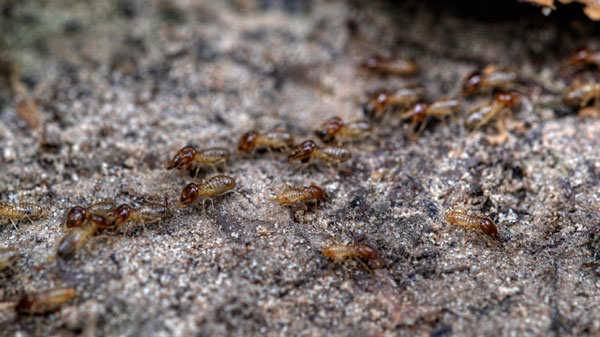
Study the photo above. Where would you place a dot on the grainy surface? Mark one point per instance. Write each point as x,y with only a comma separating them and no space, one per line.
120,86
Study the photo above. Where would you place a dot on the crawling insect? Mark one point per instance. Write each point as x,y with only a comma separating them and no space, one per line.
77,237
272,140
43,302
77,215
381,103
146,214
461,218
289,196
581,94
217,185
335,127
421,112
340,252
390,66
488,79
308,151
7,257
484,113
584,57
188,156
20,211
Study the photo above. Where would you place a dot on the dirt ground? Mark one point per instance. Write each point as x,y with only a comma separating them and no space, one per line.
119,86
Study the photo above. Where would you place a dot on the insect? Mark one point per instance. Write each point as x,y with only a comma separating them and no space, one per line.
20,211
382,102
289,196
484,113
217,185
421,112
272,140
488,79
584,57
77,237
335,127
77,215
7,257
340,252
390,65
308,151
461,218
582,94
188,156
146,214
45,301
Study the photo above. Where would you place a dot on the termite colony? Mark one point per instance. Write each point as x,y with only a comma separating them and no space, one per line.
405,104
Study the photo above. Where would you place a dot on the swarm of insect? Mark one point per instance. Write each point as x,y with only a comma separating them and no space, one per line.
335,127
488,79
390,65
274,140
304,195
188,156
307,152
45,301
466,221
381,103
217,185
483,114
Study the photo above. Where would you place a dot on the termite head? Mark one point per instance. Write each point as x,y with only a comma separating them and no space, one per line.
25,303
488,227
316,192
365,251
472,83
189,194
378,101
248,141
417,112
330,129
579,57
507,98
122,214
303,151
183,158
372,63
75,216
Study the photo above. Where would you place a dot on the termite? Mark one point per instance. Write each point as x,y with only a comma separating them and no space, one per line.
272,140
43,302
7,257
382,102
289,196
146,214
340,252
488,79
390,65
484,113
217,185
461,218
77,215
77,237
581,94
308,151
335,127
20,211
421,112
584,57
188,156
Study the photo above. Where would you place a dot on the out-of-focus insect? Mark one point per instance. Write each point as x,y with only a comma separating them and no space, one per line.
420,113
582,94
484,113
584,57
335,127
390,65
21,211
188,156
217,185
308,151
8,256
304,195
466,221
488,79
45,301
77,237
272,140
381,103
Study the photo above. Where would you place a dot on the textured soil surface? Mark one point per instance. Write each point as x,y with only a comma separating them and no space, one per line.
120,86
